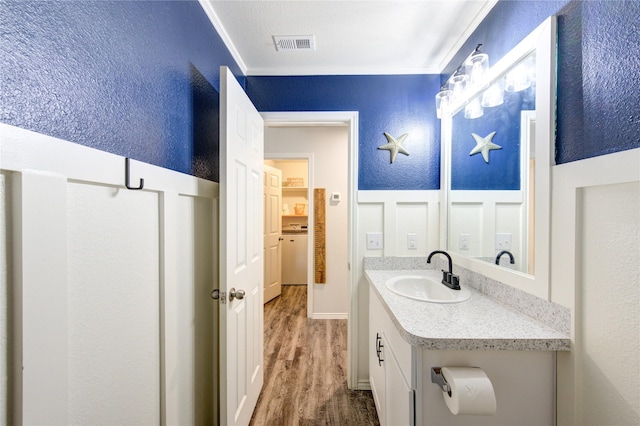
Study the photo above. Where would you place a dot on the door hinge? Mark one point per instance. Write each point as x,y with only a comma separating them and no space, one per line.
219,295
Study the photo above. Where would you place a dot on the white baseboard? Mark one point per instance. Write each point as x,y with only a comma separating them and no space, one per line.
363,385
337,315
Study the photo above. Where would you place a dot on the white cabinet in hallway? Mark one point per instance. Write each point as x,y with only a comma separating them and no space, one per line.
294,259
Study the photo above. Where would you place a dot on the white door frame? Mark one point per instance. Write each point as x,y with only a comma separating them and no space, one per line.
324,118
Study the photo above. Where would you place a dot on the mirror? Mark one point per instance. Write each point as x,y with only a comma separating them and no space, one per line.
491,166
496,144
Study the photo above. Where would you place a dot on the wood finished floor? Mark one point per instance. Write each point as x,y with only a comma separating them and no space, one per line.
305,381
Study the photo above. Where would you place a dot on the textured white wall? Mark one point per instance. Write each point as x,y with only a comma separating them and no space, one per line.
113,305
608,311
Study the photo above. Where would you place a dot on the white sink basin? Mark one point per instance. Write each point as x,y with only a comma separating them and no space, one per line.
427,288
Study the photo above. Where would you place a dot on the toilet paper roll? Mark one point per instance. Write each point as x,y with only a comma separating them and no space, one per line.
471,391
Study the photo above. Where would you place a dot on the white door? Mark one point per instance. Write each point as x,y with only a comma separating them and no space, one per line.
272,232
241,252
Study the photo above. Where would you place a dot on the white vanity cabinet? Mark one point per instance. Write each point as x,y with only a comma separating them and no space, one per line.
399,375
411,337
389,369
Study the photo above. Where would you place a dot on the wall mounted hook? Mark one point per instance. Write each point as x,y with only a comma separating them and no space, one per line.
127,176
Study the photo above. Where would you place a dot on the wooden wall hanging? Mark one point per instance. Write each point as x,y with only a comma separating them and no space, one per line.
319,225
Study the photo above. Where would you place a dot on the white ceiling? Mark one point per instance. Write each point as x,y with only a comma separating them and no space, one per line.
352,36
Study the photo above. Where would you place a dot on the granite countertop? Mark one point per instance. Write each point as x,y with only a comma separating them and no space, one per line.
479,323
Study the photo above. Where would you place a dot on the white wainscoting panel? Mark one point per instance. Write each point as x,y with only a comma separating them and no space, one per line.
482,215
195,318
113,305
399,213
467,218
395,214
112,320
595,271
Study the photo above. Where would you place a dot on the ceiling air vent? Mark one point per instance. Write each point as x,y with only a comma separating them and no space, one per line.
294,43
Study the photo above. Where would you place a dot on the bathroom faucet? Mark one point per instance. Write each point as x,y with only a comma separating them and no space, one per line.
511,259
448,278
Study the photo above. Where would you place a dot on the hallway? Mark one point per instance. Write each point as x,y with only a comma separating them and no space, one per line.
305,369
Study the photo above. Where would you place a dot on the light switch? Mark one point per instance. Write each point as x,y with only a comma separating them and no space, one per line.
412,241
503,241
463,242
374,240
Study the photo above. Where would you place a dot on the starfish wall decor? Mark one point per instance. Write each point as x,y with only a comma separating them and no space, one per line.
394,146
484,145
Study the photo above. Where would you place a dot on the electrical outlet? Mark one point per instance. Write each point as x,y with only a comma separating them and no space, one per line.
463,242
374,240
503,241
412,241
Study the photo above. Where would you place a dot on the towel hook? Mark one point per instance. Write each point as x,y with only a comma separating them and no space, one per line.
126,176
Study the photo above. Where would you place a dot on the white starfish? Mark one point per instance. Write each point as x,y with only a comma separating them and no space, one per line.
394,146
484,145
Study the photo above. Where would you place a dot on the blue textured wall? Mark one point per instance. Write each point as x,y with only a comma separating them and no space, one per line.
139,79
603,115
135,78
392,104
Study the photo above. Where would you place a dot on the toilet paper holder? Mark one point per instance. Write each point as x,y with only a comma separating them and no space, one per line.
438,379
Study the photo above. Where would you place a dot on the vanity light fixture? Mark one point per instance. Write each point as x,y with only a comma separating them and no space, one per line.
452,90
468,75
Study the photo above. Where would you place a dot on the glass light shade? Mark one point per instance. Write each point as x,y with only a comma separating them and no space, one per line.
442,103
457,86
474,108
476,67
494,95
519,78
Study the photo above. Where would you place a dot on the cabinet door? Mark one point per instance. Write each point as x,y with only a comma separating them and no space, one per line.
399,403
294,259
376,367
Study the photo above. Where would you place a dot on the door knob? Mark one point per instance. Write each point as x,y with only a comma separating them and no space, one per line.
236,294
280,239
